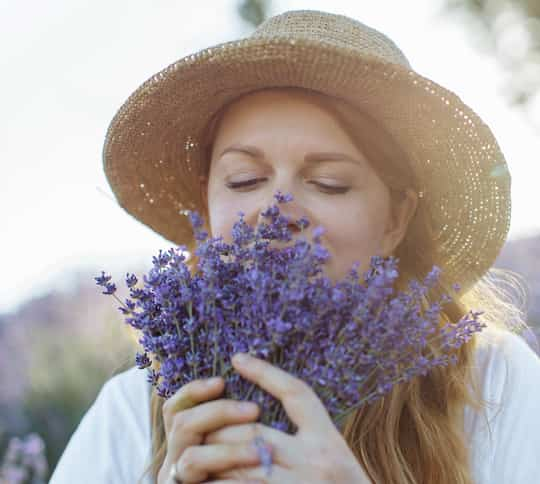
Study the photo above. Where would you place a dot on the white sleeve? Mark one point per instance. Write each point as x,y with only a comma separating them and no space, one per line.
506,448
111,444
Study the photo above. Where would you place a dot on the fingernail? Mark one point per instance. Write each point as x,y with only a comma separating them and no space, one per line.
213,381
241,358
247,407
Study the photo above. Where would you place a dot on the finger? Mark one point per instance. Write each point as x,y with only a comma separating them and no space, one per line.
190,395
246,433
278,475
211,416
299,400
197,462
194,392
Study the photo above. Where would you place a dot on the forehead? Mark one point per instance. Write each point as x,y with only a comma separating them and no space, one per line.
271,122
279,113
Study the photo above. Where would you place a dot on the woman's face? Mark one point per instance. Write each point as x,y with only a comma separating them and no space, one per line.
277,140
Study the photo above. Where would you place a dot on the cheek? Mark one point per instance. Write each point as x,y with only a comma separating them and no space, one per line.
362,227
355,238
221,223
223,214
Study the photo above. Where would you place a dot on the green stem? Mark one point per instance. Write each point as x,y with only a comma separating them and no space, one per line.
250,391
190,312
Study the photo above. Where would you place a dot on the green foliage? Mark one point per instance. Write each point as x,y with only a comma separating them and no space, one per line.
254,11
498,23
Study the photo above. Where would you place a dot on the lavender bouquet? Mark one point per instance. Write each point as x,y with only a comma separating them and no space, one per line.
351,341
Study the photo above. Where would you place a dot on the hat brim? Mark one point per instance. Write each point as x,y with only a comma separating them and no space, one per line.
151,152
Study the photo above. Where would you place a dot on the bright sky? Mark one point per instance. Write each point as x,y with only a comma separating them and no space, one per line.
67,66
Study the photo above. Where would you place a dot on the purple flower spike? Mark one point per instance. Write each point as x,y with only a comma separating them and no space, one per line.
102,280
281,198
110,288
131,280
142,361
352,341
317,233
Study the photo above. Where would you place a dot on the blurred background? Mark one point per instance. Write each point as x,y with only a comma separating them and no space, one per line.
67,66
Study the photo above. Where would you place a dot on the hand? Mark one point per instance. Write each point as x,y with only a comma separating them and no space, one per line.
187,421
316,454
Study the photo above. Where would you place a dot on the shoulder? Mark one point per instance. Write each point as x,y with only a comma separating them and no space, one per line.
505,436
505,362
129,387
114,432
125,398
508,369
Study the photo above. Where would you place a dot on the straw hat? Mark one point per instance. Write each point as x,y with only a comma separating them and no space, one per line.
151,154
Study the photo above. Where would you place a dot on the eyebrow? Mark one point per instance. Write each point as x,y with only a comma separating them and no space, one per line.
256,153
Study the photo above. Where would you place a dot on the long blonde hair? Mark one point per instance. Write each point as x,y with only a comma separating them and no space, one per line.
415,434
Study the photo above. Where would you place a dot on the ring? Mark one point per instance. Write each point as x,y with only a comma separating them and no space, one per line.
174,476
264,450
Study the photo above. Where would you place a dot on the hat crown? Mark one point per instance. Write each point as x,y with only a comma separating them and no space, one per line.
333,29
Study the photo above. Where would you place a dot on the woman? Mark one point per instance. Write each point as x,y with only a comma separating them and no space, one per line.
328,109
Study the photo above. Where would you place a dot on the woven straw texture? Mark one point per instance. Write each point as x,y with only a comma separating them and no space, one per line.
151,152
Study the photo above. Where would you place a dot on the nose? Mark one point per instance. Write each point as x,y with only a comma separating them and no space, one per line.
291,211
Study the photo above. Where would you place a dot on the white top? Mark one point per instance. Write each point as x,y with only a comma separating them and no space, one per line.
112,443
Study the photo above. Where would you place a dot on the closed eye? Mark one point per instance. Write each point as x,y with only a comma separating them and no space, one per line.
328,188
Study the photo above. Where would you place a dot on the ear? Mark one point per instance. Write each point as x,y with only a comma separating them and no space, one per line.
401,215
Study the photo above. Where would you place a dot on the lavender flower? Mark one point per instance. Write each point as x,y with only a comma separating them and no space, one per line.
24,461
351,341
